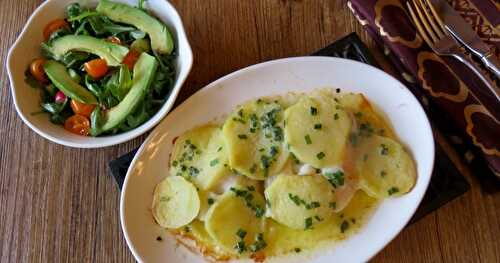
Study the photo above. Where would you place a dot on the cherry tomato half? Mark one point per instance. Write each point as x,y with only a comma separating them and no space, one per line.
78,124
114,40
53,26
82,108
96,68
36,70
130,59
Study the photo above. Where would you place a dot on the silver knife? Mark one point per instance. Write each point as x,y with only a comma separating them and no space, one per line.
462,31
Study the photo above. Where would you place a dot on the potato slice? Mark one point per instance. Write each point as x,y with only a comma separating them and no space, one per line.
316,131
200,156
368,120
175,202
294,200
232,215
254,139
384,167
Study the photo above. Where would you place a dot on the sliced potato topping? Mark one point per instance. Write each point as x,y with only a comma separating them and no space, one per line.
175,202
254,139
300,201
235,221
316,131
200,156
384,167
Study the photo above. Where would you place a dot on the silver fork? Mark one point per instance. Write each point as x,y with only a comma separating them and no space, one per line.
432,30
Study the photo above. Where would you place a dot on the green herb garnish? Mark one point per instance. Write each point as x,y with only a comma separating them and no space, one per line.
384,150
336,179
313,111
344,226
392,190
308,139
308,222
214,162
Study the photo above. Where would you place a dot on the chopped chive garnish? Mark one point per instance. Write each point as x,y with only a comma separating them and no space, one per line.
210,201
384,150
214,162
336,116
392,190
313,111
332,205
308,139
241,233
242,136
344,226
336,179
320,155
317,126
308,222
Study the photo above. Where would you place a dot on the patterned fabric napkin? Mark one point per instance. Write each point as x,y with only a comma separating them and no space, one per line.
446,88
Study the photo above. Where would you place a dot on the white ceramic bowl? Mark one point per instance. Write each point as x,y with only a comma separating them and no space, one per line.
278,77
27,47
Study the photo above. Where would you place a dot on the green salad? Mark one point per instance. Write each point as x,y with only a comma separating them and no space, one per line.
104,70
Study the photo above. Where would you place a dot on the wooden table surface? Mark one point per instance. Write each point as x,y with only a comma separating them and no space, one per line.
59,204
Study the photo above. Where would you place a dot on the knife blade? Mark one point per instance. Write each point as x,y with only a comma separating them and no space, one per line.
462,31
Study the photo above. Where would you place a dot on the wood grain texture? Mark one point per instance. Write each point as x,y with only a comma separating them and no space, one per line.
61,205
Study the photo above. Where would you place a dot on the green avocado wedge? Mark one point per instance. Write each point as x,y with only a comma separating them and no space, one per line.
161,39
59,76
112,53
144,72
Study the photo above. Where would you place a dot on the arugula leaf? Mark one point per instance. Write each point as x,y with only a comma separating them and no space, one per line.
82,15
59,112
73,10
75,59
165,76
102,25
120,83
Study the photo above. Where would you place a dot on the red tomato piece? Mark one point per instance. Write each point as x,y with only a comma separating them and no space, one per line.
131,58
36,70
96,68
78,124
53,26
82,108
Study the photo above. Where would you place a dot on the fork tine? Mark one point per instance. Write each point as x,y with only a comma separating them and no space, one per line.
423,34
423,19
436,16
431,18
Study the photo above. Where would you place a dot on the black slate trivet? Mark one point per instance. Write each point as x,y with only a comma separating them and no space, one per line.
447,182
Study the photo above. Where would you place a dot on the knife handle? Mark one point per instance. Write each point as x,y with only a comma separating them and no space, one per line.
472,66
492,63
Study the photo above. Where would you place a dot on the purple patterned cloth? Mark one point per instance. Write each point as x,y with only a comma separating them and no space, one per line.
442,82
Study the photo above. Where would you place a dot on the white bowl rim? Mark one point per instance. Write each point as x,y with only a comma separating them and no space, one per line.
215,83
132,134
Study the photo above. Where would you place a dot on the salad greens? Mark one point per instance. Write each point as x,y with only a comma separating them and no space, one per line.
110,85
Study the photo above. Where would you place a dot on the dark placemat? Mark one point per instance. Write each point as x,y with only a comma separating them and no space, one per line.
447,182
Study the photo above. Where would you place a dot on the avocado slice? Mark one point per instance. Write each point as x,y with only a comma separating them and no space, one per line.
58,74
161,39
144,72
112,53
